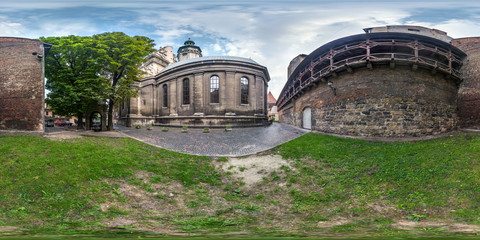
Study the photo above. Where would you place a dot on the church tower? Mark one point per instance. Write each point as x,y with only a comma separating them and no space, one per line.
188,51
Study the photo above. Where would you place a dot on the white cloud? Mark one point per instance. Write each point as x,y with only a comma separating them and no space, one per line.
10,28
269,32
456,28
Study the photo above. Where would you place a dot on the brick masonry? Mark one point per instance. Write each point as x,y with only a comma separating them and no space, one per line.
21,84
469,89
379,102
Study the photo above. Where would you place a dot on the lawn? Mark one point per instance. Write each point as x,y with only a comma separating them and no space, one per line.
330,186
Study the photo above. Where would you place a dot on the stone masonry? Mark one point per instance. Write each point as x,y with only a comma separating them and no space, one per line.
21,84
379,102
469,89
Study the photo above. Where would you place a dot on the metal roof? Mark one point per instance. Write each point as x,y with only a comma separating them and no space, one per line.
211,58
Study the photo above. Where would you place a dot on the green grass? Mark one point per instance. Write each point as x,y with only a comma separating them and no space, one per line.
63,186
48,182
413,176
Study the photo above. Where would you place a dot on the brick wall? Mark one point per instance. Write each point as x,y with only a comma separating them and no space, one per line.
21,85
379,102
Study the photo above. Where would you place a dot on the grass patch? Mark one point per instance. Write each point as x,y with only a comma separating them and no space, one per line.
331,185
413,176
56,181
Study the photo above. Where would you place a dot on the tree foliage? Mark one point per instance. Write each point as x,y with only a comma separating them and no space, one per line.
120,57
82,71
71,72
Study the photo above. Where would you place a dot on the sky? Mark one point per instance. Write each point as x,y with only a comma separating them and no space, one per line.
270,32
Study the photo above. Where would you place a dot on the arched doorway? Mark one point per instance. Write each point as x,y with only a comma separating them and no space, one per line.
307,118
96,121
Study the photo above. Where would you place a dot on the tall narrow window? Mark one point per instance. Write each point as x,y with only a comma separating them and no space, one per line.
214,88
186,91
165,95
244,90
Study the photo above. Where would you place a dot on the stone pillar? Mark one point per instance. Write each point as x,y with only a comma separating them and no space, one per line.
198,96
223,89
154,100
139,105
230,91
172,97
253,94
133,106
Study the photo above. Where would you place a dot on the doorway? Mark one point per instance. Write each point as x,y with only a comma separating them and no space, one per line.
96,121
307,118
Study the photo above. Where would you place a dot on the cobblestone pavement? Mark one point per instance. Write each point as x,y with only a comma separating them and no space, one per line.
238,142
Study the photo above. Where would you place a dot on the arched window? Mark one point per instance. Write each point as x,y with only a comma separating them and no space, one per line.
165,95
214,89
186,91
244,90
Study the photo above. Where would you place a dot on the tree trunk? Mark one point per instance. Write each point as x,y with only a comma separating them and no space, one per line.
80,121
110,115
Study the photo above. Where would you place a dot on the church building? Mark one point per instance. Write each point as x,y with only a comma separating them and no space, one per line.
198,91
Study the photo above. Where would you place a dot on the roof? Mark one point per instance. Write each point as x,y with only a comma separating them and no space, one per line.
212,58
271,98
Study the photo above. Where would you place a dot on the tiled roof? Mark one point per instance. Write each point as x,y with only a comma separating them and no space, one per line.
270,98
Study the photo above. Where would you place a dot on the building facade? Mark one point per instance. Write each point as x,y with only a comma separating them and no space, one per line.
200,91
391,81
22,84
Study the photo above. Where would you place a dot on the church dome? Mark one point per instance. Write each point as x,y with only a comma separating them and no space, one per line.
189,51
189,42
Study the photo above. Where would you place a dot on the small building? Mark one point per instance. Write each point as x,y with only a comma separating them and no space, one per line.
51,118
198,91
22,84
272,106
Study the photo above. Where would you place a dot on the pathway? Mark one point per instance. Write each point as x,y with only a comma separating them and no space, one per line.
239,142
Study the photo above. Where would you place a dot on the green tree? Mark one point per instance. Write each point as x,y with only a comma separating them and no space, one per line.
72,76
120,57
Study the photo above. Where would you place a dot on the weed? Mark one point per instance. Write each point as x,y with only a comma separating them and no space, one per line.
416,217
193,204
259,196
205,222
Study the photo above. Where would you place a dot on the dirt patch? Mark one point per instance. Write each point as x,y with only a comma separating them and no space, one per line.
331,223
442,226
63,135
5,229
253,169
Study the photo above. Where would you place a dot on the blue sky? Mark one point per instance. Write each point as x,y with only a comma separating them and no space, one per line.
270,32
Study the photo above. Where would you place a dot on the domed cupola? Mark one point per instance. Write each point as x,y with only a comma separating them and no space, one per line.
189,51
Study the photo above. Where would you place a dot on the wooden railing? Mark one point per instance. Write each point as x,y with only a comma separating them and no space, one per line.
368,51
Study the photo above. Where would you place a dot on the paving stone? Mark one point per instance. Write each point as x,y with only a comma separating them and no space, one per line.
238,142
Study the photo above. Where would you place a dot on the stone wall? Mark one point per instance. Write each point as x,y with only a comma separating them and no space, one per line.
379,102
469,89
21,84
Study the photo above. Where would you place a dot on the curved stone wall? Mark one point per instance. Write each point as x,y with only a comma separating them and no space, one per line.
469,89
380,102
376,84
